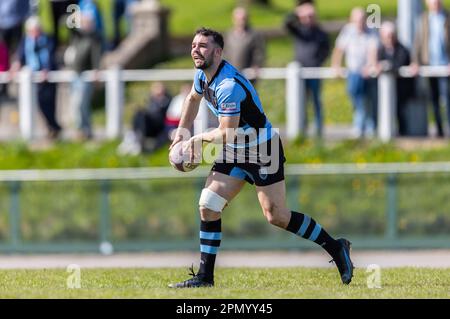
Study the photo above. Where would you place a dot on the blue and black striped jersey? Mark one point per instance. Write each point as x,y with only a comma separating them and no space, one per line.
229,93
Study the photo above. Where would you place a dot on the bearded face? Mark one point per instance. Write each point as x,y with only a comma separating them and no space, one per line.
202,51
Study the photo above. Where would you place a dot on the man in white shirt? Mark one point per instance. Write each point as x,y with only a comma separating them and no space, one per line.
357,42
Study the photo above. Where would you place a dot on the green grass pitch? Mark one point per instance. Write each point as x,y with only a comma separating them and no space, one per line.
237,283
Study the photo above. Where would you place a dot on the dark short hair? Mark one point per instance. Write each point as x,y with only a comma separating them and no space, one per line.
217,37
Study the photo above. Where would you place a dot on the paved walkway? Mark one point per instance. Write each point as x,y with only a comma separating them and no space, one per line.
361,259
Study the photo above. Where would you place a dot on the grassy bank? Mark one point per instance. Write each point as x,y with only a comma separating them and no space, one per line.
18,155
166,209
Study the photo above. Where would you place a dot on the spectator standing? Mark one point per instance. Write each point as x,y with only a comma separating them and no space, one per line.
359,44
391,56
121,8
432,47
311,49
4,66
245,47
59,10
36,51
84,53
13,14
90,7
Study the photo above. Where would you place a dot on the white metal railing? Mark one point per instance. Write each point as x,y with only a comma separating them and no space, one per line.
293,74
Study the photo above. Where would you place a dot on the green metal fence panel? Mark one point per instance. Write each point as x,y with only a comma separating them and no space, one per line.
157,209
391,218
14,213
105,212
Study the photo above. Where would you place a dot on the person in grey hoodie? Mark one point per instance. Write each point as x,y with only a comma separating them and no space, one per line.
311,49
84,53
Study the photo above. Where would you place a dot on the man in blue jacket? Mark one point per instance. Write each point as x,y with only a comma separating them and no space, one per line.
36,51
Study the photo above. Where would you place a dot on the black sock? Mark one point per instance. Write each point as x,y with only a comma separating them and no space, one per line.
210,236
306,227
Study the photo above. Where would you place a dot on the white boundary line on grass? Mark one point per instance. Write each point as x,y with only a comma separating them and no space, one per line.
260,259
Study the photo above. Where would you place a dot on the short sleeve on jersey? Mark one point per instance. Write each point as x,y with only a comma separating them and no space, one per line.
198,82
229,97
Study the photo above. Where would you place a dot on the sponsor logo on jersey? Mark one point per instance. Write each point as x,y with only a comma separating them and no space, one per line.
229,107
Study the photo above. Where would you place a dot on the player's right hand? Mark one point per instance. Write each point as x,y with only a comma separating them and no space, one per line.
177,139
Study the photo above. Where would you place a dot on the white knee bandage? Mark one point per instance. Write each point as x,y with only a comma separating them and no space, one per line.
212,201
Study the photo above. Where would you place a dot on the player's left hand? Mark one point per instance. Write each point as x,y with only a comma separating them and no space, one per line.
193,146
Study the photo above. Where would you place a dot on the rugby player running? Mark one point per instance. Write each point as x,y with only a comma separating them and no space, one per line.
256,158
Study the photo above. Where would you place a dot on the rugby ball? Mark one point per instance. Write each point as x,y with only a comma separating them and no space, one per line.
180,160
